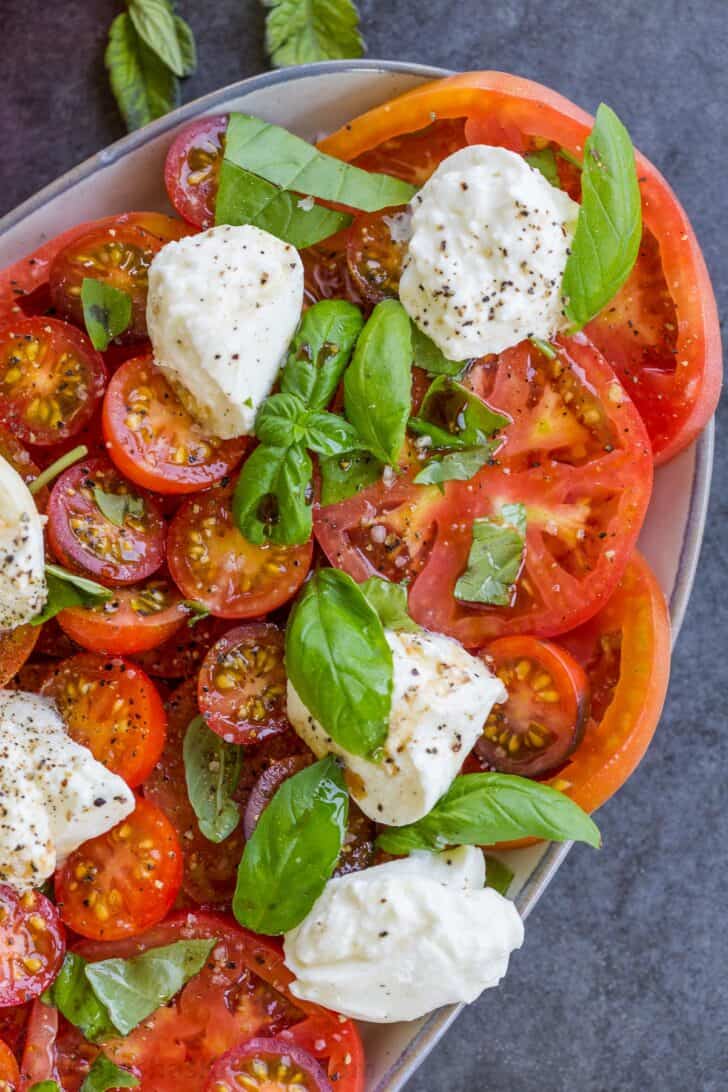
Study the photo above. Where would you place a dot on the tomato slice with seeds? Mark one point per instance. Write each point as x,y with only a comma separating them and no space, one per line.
242,684
32,945
110,706
375,251
192,167
100,525
153,439
123,881
9,1072
134,620
182,653
21,460
51,379
210,561
267,1065
414,156
326,273
16,646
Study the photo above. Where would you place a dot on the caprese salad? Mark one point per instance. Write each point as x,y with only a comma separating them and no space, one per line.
318,512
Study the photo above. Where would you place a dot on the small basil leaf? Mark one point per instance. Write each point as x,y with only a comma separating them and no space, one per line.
45,1086
281,420
609,228
72,994
485,808
497,875
339,662
117,506
68,590
459,466
143,86
212,773
104,1076
426,355
343,476
187,46
495,558
197,610
243,198
455,417
106,311
328,434
293,164
154,22
390,602
320,351
272,498
299,32
378,382
132,989
293,850
544,161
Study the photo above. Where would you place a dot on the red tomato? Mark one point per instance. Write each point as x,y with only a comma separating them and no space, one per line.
99,525
51,379
326,273
111,707
271,1065
375,251
9,1072
268,785
211,562
20,459
135,620
123,881
182,653
153,439
192,166
16,646
242,684
413,156
13,1023
32,942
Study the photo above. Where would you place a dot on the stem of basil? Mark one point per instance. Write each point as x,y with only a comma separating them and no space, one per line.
57,468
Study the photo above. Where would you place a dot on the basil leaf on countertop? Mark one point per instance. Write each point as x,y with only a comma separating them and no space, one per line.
452,416
143,86
458,466
281,420
320,351
497,875
104,1076
66,589
390,602
293,850
609,229
495,558
132,989
272,500
212,773
339,662
106,311
302,31
426,355
117,506
485,808
544,161
345,475
159,29
293,164
243,198
73,995
378,382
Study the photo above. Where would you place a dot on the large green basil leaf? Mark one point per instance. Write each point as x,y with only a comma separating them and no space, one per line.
212,773
143,86
302,31
272,500
72,994
320,351
390,602
495,559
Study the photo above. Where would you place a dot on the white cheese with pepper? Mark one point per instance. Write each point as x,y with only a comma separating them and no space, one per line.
222,308
441,699
485,261
23,589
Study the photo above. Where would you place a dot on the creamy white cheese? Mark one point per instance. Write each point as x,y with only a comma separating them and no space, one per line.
396,941
54,795
441,699
23,589
490,239
222,308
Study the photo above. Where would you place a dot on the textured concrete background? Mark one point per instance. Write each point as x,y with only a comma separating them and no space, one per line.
621,985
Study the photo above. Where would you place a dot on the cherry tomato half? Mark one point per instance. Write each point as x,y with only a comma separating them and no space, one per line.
134,620
375,251
192,166
270,1065
32,945
9,1072
16,646
242,684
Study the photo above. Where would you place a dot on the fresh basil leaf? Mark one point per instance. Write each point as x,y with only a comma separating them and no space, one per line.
143,86
497,875
328,434
117,506
458,466
154,22
544,161
320,351
390,602
132,989
378,382
338,659
485,808
495,559
544,347
187,45
68,590
455,417
293,850
212,773
197,610
293,164
72,994
281,420
272,500
426,354
343,476
104,1076
45,1086
106,311
609,229
301,31
243,198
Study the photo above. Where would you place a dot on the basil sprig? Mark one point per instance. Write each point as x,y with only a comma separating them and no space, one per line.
485,808
106,311
105,1076
293,850
495,559
609,228
317,30
339,662
212,773
66,589
390,602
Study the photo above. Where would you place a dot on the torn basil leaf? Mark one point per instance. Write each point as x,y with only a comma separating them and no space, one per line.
272,500
117,506
426,355
73,995
544,161
454,417
104,1076
106,311
212,773
344,476
495,559
320,351
460,465
390,602
66,589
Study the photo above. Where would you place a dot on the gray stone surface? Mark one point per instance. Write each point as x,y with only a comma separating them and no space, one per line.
621,985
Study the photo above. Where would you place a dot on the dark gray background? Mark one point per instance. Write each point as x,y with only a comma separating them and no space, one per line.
621,985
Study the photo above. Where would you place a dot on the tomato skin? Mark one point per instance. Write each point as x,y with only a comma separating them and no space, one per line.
285,1061
181,654
9,1072
16,646
191,169
33,943
375,249
242,684
135,620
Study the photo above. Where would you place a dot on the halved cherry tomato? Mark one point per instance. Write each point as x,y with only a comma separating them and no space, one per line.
9,1072
543,720
210,561
182,653
270,1065
51,379
192,166
242,684
100,525
32,945
110,706
375,250
123,881
16,646
13,1023
326,273
54,642
153,439
134,620
21,460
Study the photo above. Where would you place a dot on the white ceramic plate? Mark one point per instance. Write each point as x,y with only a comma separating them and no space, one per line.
312,100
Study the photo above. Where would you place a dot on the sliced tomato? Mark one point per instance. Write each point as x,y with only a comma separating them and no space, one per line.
21,460
268,785
13,1024
123,881
134,620
326,273
414,155
211,562
32,945
9,1072
110,706
242,684
51,379
375,251
153,439
270,1065
16,646
192,167
182,653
